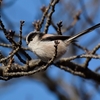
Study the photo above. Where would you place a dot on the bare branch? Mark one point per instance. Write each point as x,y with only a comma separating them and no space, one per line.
48,22
18,74
45,10
14,52
20,39
10,46
89,59
76,18
59,28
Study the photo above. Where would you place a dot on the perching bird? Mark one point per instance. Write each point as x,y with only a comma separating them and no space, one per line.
43,44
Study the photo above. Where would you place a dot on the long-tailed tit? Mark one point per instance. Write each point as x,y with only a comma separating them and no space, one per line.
43,44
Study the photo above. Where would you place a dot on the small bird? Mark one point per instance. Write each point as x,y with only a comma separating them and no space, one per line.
43,44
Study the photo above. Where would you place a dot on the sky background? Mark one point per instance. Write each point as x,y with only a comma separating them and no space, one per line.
25,88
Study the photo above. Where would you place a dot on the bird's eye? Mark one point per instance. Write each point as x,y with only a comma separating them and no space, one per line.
30,37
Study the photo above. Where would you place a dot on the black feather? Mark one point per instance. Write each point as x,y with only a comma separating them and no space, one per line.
56,37
32,35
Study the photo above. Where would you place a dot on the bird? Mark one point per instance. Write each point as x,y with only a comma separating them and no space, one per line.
43,44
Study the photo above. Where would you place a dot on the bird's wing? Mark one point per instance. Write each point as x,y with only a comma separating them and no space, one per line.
55,37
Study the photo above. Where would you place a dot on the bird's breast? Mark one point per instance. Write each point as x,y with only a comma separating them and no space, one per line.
45,50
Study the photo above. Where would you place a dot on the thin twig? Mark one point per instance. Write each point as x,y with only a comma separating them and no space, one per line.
45,14
92,52
10,46
6,45
4,63
17,35
59,28
8,36
20,58
0,8
20,38
9,64
81,47
48,22
14,51
90,56
43,9
76,18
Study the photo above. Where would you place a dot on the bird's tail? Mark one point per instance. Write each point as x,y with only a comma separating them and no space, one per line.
83,32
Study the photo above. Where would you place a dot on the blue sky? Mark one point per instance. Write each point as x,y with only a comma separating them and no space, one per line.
24,88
